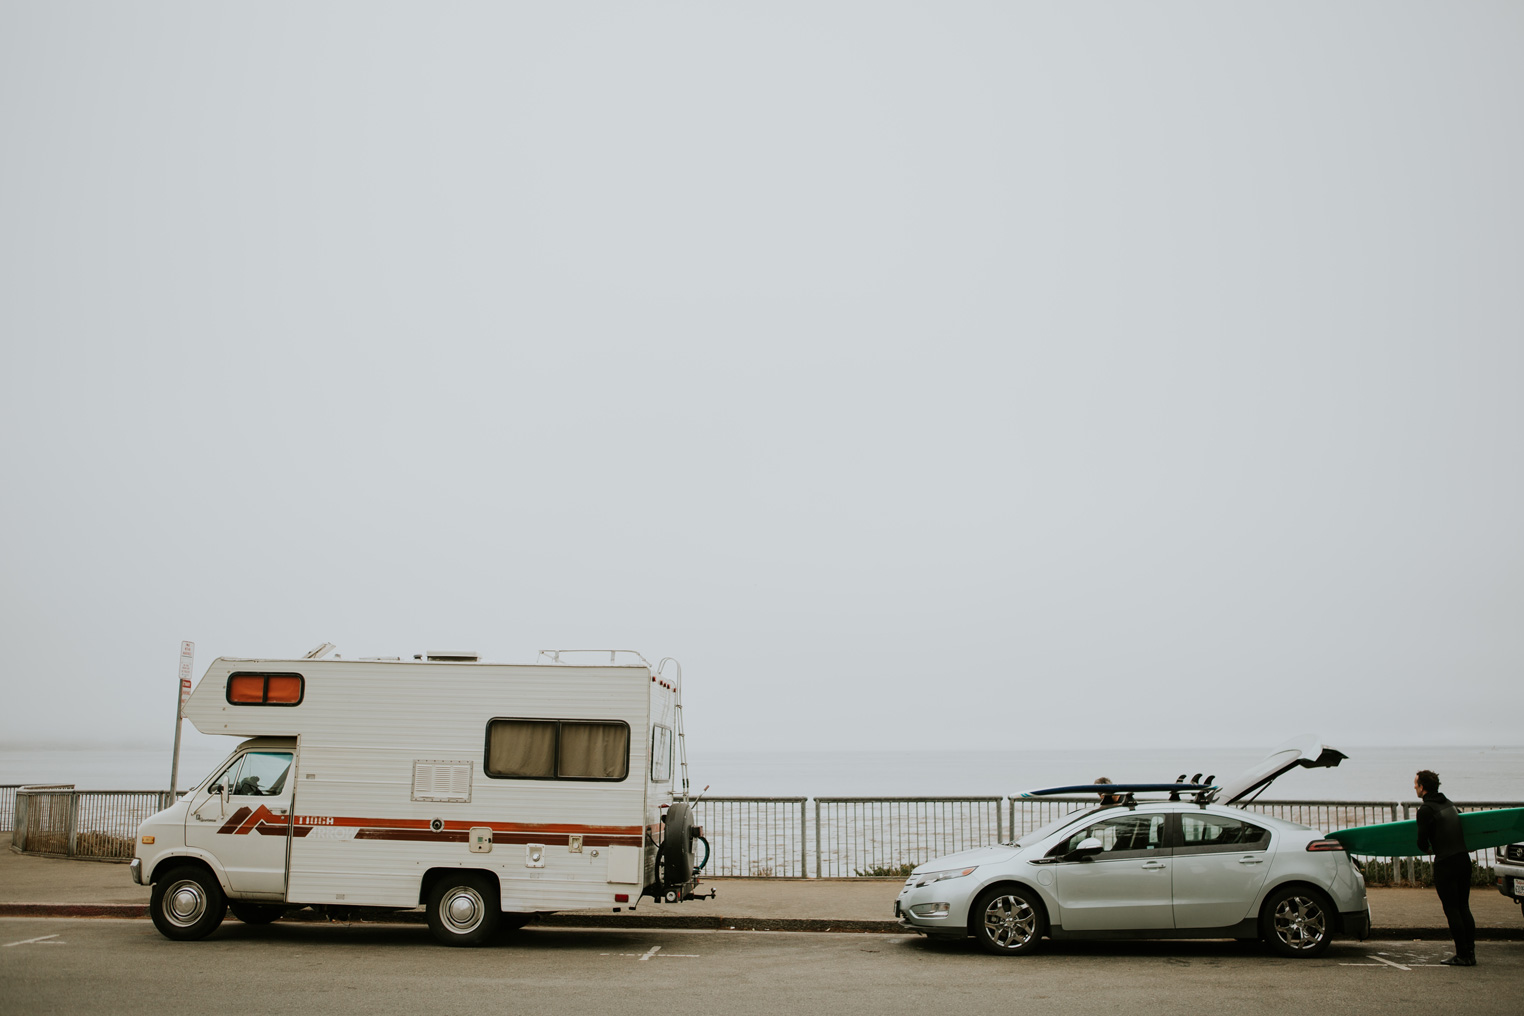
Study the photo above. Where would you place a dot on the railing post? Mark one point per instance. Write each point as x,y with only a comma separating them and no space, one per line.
817,837
19,822
73,826
804,841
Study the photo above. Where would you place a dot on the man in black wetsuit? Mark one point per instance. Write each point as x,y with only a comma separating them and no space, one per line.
1439,833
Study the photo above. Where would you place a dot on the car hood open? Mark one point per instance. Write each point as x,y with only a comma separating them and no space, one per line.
1307,751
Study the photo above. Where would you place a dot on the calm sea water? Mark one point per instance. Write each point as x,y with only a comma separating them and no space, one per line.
1487,773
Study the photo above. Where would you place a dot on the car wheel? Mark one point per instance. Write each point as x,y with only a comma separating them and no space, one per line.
255,913
187,903
1008,921
463,909
1296,921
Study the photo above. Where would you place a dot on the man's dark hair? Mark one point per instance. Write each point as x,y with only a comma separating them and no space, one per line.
1429,780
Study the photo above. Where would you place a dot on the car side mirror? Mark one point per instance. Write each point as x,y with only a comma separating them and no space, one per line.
1085,849
223,791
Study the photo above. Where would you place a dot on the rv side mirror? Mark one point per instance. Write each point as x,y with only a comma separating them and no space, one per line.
222,791
1087,848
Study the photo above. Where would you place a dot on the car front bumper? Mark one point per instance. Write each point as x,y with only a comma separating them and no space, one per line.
940,908
136,868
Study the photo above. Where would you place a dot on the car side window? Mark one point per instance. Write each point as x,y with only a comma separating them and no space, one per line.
1203,833
1120,835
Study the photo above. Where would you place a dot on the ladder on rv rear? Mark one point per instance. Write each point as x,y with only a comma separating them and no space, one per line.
682,742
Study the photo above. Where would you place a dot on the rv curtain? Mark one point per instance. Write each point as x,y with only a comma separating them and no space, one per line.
523,748
599,751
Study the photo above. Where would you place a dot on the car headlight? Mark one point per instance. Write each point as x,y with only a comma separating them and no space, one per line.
928,877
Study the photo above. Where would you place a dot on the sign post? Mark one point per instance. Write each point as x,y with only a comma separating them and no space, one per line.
187,653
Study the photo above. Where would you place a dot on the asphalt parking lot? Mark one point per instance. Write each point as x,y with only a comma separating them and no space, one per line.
73,965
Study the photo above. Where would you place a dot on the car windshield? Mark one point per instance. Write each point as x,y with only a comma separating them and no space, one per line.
1027,839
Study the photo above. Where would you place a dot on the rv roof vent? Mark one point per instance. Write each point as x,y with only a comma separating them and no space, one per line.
451,656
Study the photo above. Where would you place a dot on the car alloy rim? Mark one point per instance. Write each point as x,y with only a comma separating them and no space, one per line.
462,910
185,903
1299,922
1010,922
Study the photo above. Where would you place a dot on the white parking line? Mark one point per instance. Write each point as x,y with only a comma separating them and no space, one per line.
1388,962
655,950
44,940
1380,960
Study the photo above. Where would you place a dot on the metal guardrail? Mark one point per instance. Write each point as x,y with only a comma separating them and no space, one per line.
8,806
755,837
759,837
857,836
8,803
96,824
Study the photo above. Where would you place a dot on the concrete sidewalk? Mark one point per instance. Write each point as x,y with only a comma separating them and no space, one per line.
51,887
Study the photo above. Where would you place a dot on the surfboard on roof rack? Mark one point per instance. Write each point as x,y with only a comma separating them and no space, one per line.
1121,788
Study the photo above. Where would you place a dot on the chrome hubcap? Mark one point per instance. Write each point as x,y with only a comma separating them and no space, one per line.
185,903
1010,922
463,910
1300,923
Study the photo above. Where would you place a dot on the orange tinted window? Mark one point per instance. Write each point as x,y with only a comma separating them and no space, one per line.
246,688
284,688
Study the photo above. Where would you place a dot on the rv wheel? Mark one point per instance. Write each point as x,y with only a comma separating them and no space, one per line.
463,909
187,903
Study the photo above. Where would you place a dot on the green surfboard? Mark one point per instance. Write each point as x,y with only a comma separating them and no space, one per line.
1482,829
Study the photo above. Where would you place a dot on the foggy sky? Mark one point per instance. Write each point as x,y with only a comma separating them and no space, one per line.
923,376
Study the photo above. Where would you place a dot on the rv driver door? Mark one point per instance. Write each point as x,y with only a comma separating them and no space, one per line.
243,818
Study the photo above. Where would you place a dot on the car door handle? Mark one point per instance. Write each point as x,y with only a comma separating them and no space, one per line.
277,811
1153,866
1251,860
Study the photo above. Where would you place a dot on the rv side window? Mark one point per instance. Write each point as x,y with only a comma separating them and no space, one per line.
266,689
661,754
558,749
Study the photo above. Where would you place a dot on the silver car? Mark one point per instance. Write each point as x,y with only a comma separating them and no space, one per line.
1508,866
1189,868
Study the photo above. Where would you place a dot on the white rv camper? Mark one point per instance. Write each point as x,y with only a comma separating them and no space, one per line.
486,793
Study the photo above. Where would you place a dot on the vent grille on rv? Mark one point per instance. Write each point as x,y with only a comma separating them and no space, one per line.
451,656
442,781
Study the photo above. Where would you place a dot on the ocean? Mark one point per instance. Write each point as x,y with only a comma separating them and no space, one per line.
1470,774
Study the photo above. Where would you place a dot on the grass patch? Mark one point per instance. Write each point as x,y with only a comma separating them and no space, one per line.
886,871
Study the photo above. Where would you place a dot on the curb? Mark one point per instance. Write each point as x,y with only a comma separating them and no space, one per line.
139,911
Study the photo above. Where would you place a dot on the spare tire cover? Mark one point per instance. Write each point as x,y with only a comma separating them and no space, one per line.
677,845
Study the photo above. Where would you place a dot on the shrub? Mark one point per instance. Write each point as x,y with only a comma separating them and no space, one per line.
1385,873
886,870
